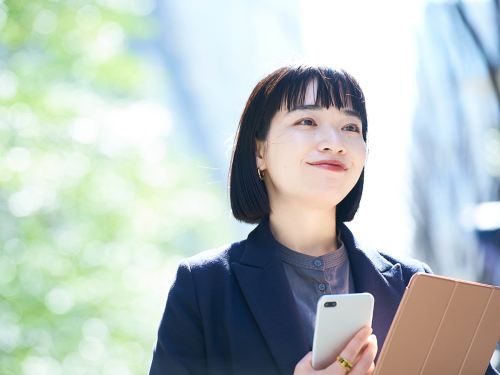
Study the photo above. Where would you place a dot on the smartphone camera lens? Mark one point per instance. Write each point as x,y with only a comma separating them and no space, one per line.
330,304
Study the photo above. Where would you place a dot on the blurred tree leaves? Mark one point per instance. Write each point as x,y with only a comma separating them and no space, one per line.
96,207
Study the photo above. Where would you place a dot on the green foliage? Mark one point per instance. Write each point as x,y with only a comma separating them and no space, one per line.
96,209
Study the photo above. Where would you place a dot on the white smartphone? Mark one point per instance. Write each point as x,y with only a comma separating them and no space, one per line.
338,318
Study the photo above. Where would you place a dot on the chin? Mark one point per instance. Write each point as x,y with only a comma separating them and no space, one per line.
323,199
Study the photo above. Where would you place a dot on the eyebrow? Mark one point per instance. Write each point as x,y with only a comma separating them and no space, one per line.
315,107
350,112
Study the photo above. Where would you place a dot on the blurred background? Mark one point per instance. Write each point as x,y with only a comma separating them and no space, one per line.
116,124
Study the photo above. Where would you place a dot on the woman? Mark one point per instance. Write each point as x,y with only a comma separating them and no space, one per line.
297,169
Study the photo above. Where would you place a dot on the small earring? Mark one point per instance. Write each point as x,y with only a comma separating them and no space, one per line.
261,174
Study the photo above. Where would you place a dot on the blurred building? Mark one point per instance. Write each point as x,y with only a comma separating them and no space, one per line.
455,136
455,149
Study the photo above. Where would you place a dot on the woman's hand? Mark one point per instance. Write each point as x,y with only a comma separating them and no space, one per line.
360,351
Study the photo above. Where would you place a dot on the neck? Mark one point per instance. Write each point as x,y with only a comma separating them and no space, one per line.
305,231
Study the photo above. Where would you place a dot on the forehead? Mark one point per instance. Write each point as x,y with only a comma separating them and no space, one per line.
311,92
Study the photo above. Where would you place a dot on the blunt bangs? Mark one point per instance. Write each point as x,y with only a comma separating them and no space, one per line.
285,89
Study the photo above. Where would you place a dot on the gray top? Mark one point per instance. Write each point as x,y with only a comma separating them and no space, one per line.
311,277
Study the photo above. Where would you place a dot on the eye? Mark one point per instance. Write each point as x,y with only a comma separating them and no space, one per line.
306,121
352,128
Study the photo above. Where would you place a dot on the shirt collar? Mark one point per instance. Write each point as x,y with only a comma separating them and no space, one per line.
329,260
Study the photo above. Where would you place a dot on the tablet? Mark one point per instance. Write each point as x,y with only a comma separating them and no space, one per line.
442,326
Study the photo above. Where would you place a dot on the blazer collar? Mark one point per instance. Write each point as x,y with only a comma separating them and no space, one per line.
260,246
264,283
372,273
262,278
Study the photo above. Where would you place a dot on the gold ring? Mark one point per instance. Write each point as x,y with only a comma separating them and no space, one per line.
345,363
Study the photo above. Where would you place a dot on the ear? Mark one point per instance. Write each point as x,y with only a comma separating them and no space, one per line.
259,154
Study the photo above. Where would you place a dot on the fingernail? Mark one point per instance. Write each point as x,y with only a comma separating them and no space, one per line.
368,330
374,338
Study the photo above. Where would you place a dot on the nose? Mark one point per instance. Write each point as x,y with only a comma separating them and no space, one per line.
331,140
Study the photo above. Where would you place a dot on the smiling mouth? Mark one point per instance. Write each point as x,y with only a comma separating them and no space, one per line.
331,165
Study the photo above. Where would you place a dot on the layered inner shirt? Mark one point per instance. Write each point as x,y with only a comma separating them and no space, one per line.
312,277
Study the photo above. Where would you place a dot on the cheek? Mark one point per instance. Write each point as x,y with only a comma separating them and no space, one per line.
358,154
287,148
284,157
280,159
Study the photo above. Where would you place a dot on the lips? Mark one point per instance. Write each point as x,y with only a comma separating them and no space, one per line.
330,164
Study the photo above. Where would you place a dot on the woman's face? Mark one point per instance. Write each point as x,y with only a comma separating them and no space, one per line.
299,147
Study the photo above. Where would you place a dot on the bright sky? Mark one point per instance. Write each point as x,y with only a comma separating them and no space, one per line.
374,41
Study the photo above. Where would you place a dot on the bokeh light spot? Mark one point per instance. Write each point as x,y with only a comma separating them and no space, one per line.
95,328
88,17
132,353
148,256
74,364
56,98
110,42
119,6
84,101
8,270
45,22
56,264
116,367
24,203
95,287
68,242
59,301
6,173
119,254
95,253
10,333
3,18
16,250
8,84
27,124
133,278
77,165
85,130
41,366
75,42
143,7
91,349
19,159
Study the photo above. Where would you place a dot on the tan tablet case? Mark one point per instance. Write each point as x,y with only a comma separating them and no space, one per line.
442,326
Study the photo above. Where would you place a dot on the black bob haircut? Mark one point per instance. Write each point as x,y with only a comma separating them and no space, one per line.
285,88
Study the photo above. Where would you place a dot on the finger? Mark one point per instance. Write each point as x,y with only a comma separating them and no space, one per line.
371,370
356,344
365,362
350,353
361,351
304,366
363,348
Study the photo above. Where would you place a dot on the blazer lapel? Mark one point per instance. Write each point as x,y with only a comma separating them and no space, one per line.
264,283
372,273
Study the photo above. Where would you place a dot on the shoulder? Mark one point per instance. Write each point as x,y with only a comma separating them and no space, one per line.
207,276
384,261
406,262
215,260
409,266
380,259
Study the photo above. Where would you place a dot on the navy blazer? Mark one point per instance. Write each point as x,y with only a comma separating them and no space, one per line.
232,311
